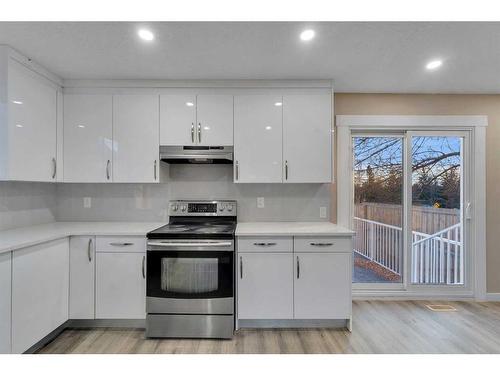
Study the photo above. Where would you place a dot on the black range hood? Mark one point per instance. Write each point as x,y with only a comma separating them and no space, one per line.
196,154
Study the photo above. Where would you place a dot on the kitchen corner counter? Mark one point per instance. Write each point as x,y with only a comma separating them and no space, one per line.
13,239
291,229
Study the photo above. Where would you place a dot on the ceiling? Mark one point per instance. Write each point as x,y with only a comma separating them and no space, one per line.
359,57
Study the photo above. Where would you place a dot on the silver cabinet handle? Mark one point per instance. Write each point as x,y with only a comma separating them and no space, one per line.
89,250
121,243
286,169
107,169
155,170
143,267
199,132
241,267
298,268
237,170
321,244
54,168
192,132
265,244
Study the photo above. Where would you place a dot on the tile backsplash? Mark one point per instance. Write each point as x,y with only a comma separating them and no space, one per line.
26,203
30,203
148,202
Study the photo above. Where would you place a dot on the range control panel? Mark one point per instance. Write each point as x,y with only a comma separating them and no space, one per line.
202,208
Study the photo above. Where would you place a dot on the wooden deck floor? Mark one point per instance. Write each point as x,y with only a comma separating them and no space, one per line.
378,327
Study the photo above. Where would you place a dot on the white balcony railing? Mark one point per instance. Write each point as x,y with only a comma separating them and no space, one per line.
435,258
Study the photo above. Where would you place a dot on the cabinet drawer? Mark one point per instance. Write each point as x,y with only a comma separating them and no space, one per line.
265,244
323,244
121,244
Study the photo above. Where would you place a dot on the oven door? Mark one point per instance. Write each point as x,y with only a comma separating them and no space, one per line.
190,277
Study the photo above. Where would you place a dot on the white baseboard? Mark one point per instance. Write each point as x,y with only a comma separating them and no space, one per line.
493,296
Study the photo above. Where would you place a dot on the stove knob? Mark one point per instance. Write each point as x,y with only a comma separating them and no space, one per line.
175,207
221,208
229,207
183,208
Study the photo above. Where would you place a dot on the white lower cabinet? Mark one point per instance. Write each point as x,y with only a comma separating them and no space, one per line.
40,288
82,277
265,286
5,301
322,285
305,278
120,285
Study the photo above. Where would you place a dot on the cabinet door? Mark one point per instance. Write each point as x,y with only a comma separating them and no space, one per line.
177,120
88,137
40,288
81,277
258,138
214,115
265,286
307,138
120,286
32,123
135,138
322,285
5,301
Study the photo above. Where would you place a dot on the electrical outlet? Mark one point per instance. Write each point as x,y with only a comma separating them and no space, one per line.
322,212
87,202
260,202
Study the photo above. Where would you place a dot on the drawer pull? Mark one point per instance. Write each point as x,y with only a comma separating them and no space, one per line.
321,244
265,244
121,243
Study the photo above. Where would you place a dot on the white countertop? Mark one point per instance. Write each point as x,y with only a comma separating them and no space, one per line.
283,228
18,238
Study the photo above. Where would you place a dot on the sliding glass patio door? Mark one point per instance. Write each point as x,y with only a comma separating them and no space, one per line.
378,167
410,191
439,190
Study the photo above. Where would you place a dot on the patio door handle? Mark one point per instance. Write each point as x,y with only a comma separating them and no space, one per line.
468,211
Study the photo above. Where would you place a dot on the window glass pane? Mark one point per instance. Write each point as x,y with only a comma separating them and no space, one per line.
378,209
437,254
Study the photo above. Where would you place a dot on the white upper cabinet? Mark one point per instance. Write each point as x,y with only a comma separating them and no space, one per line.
187,120
307,138
88,133
136,138
258,138
28,145
214,115
178,120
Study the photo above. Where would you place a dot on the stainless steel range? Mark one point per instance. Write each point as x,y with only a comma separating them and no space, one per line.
190,271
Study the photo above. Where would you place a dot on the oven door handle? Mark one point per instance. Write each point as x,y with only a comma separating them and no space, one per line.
192,244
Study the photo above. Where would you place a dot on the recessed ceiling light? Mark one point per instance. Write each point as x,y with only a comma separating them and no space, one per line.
146,35
278,104
434,64
307,35
17,102
81,126
19,126
268,127
190,104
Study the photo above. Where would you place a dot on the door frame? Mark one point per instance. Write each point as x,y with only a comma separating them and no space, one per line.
476,126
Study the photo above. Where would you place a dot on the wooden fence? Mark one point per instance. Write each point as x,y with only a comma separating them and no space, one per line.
427,220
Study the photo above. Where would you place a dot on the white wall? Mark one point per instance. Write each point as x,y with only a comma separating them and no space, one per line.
148,202
26,203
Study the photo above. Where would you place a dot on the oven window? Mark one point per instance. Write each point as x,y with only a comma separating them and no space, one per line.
189,275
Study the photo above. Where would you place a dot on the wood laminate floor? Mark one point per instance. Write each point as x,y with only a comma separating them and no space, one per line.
378,327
